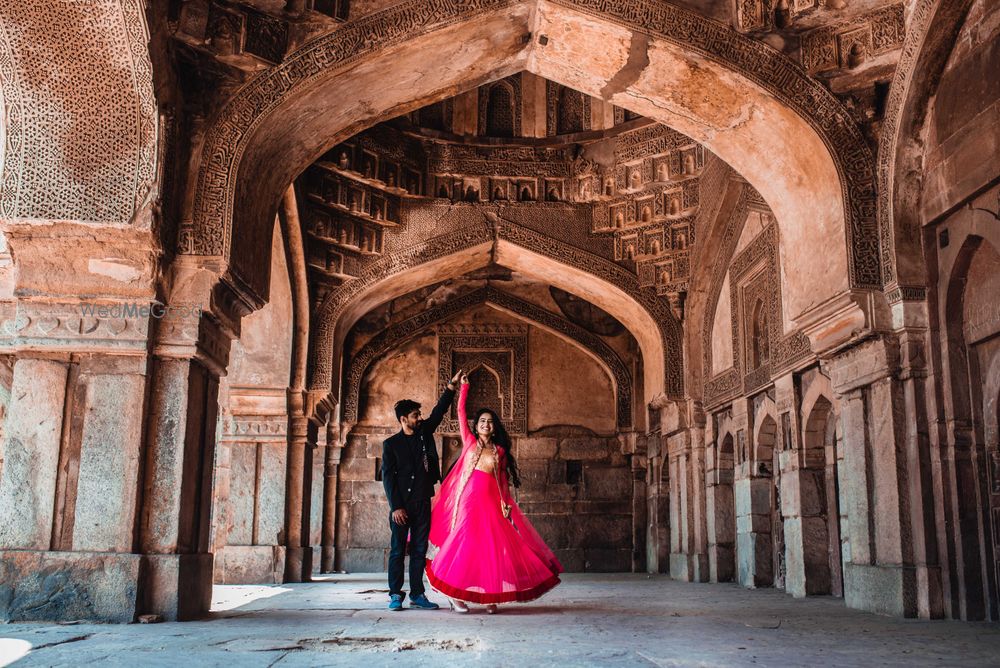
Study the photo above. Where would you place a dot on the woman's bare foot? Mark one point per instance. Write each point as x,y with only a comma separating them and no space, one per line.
491,608
459,606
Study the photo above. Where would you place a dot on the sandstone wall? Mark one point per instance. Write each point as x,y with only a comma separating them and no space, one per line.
577,486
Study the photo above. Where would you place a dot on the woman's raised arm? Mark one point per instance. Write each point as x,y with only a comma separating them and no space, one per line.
463,417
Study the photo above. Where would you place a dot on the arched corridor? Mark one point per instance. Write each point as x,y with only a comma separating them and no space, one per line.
728,279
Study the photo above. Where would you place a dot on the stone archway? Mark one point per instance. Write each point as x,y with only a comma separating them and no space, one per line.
722,512
826,173
768,472
930,36
820,513
393,336
967,356
609,286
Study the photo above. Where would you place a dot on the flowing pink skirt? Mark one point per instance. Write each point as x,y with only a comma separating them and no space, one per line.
486,558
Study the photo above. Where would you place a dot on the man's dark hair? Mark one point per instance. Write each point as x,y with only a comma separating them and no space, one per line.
405,407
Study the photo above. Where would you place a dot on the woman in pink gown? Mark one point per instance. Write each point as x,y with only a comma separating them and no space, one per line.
483,550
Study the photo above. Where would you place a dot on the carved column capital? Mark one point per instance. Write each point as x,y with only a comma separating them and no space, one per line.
116,327
203,314
60,259
863,364
838,321
912,353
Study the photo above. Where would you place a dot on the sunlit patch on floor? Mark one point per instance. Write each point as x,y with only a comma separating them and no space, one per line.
230,597
12,649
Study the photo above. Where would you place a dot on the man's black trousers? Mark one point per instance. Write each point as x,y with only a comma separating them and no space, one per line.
418,526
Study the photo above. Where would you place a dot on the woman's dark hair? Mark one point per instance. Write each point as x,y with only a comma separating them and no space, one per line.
502,438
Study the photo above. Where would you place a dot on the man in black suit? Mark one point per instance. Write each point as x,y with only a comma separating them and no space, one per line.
410,468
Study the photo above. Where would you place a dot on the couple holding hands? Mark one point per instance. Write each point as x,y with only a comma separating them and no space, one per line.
482,548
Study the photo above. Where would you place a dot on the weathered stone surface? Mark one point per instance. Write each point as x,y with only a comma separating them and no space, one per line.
242,487
886,590
271,494
367,560
612,531
176,586
583,448
673,622
31,453
607,560
607,483
109,464
369,524
250,564
361,469
66,586
536,448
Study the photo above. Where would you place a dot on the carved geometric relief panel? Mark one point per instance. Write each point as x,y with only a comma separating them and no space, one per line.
872,33
498,355
80,123
500,108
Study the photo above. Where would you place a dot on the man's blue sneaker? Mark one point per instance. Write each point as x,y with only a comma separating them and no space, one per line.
396,602
421,602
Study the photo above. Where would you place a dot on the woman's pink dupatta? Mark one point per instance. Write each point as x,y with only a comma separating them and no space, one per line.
450,491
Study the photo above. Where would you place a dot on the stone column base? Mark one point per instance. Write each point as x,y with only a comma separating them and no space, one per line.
884,590
328,558
66,586
689,567
250,564
721,563
298,564
177,586
316,559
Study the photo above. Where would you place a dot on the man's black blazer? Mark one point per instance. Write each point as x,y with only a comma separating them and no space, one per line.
403,474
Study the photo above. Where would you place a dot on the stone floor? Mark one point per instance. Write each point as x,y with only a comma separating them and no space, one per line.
600,620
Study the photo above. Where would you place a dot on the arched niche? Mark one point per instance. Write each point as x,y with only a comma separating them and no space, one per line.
389,339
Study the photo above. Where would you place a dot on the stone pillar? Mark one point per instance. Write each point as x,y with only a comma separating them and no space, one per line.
752,501
69,486
920,489
699,505
331,487
465,118
719,511
684,452
657,507
804,527
191,352
316,481
882,573
638,461
533,105
755,566
298,560
32,442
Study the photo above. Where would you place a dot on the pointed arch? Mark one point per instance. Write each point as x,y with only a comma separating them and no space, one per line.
825,175
394,336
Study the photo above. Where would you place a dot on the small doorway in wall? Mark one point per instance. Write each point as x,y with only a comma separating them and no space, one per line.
824,559
725,514
766,467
